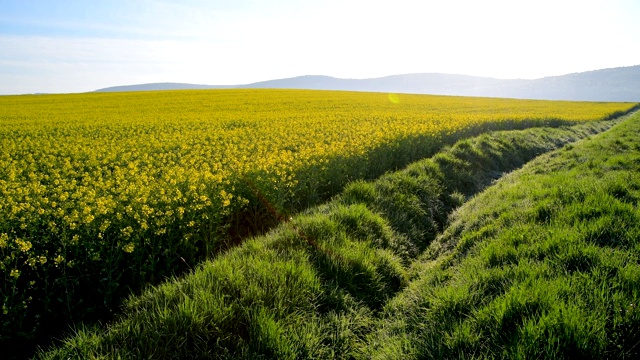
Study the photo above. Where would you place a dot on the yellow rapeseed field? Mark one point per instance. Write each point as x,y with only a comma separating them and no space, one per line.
103,190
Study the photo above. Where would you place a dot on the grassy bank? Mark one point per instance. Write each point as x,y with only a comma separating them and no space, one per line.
543,265
318,285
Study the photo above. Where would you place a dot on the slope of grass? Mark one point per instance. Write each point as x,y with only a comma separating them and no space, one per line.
313,287
546,264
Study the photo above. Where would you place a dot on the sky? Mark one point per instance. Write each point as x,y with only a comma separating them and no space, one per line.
66,46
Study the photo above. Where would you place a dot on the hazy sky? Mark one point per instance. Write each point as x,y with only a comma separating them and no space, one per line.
80,45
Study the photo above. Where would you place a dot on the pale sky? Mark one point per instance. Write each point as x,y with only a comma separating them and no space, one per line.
63,46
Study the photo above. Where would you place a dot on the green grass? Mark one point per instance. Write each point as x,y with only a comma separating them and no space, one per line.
347,279
543,265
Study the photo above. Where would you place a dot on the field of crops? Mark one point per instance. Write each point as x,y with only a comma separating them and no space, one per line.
100,193
542,264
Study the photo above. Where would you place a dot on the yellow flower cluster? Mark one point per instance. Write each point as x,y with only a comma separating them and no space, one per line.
23,245
81,173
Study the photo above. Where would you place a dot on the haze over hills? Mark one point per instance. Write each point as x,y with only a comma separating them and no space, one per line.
616,84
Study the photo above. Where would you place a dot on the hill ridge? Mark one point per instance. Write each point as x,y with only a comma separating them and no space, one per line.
613,84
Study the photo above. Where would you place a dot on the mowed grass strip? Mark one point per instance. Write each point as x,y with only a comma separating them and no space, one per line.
545,264
313,287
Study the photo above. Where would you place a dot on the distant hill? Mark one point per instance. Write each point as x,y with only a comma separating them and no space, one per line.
162,86
616,84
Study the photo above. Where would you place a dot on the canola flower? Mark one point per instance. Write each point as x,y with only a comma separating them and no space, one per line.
143,181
